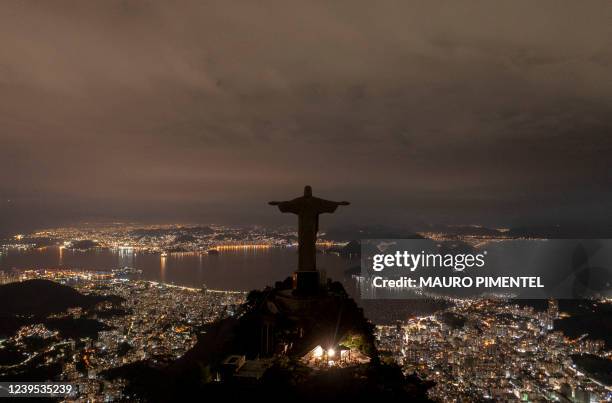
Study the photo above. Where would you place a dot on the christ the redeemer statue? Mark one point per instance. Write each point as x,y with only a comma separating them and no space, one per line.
308,209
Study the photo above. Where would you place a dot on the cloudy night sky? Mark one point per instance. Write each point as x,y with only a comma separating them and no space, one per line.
497,113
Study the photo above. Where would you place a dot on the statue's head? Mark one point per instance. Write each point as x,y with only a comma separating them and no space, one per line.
307,191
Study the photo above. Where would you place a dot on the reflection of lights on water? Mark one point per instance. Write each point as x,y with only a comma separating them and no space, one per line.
243,246
326,244
125,250
162,266
125,256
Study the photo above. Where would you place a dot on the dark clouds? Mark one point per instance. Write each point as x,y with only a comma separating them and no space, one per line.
481,111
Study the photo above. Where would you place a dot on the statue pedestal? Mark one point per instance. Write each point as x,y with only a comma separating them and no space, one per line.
307,282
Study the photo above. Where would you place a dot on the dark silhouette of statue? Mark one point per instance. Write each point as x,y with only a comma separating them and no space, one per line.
308,209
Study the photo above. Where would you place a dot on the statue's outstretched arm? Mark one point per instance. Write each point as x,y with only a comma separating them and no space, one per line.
286,206
328,206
